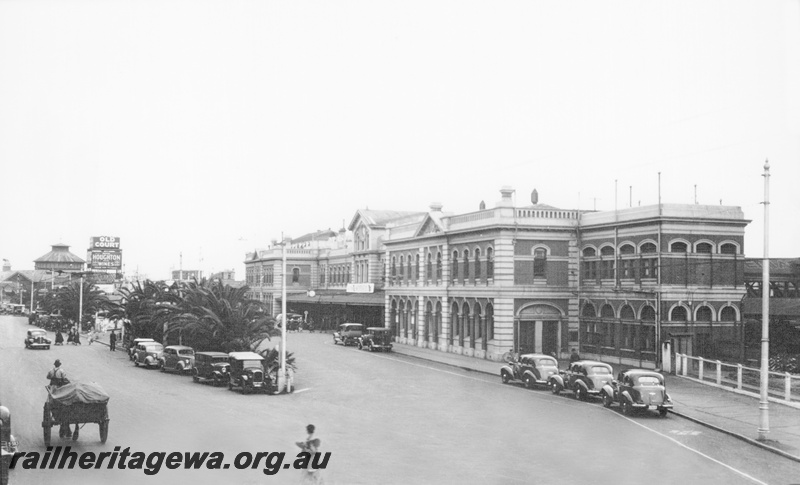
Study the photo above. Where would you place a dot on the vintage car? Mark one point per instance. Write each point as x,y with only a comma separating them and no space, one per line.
8,444
211,366
37,339
148,354
177,358
348,334
638,389
136,342
247,373
531,369
585,378
376,338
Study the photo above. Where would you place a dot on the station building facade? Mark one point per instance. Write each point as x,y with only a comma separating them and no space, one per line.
626,286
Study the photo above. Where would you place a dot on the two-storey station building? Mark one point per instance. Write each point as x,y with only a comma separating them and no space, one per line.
617,285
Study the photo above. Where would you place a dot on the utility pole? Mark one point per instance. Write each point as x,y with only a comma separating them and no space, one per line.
763,405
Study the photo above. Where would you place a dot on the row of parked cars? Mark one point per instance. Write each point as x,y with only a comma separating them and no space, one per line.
633,389
240,370
371,338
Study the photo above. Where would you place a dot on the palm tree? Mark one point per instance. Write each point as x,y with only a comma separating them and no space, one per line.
67,300
142,308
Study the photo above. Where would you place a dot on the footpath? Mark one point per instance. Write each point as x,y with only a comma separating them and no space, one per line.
728,412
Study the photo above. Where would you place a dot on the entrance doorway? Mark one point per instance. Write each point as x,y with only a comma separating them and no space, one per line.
539,330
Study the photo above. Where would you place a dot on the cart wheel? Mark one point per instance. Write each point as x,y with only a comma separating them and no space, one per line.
104,431
47,424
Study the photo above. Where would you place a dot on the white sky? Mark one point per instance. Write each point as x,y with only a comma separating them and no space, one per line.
209,127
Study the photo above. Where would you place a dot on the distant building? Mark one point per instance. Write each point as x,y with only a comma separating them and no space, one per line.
227,277
187,274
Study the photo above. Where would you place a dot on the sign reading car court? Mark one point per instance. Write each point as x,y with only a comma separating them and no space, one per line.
104,243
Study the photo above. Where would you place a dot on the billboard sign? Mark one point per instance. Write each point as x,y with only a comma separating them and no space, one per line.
104,243
105,259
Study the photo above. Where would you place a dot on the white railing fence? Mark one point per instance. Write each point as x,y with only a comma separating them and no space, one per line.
781,385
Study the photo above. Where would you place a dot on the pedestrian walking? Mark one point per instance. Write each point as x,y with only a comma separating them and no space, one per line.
76,337
59,337
92,336
310,445
113,341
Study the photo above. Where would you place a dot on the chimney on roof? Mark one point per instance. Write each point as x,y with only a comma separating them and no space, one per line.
6,265
436,206
534,197
482,206
506,193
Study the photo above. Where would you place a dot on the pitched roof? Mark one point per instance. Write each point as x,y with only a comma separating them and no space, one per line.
376,218
59,254
315,236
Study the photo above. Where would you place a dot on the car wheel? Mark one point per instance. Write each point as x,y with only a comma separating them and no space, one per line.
136,362
528,382
360,346
627,408
662,412
197,379
505,377
47,348
555,388
580,394
607,401
370,347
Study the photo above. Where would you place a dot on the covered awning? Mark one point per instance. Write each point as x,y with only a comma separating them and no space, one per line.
328,297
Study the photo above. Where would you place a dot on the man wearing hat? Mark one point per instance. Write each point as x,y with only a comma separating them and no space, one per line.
57,375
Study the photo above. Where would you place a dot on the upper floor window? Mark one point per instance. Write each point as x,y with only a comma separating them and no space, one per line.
416,266
466,264
703,248
678,247
728,314
626,313
648,248
439,265
703,314
477,263
402,267
362,239
627,249
728,248
454,265
428,266
678,314
589,252
607,311
409,267
490,263
588,311
648,314
539,262
607,251
295,275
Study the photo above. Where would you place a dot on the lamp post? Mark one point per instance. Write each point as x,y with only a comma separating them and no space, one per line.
763,405
283,380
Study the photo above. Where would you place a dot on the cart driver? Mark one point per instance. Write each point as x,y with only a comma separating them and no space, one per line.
57,375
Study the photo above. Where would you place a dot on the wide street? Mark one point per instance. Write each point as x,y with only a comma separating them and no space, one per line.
385,418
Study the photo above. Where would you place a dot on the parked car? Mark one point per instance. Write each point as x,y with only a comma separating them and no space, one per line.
531,369
37,339
247,373
376,338
178,358
211,366
638,389
585,378
148,354
348,334
134,344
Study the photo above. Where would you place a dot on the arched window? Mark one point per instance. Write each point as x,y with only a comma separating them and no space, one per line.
490,263
439,265
428,267
539,262
703,314
477,263
678,314
588,311
627,249
454,265
428,324
476,321
394,268
704,248
728,314
648,248
437,323
295,275
466,331
626,313
416,267
453,323
489,322
648,314
589,253
402,268
466,264
728,248
678,247
607,251
607,311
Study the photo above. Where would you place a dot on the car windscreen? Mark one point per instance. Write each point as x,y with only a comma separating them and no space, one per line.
649,381
251,364
220,360
186,352
599,369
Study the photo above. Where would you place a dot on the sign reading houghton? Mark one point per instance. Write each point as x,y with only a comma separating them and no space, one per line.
104,243
105,259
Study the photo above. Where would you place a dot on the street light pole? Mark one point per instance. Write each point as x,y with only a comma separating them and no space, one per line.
763,406
282,376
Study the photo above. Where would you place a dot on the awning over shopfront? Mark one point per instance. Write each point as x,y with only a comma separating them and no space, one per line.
327,297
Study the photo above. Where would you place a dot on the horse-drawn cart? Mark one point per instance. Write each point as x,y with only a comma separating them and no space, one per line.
76,403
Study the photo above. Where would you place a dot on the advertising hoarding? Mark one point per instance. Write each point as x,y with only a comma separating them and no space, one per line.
104,243
105,259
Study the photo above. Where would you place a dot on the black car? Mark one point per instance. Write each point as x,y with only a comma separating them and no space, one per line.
638,389
37,339
211,366
247,373
584,378
531,369
376,338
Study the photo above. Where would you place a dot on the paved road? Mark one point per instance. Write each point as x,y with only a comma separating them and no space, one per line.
385,418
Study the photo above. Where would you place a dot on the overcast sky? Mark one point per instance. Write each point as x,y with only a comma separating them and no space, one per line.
207,128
